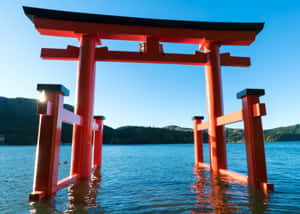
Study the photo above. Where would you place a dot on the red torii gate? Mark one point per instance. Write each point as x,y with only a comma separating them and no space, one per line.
90,29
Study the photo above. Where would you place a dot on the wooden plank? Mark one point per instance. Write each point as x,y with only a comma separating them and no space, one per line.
71,118
202,126
230,118
66,181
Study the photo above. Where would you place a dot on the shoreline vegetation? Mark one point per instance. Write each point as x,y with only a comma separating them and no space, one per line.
19,124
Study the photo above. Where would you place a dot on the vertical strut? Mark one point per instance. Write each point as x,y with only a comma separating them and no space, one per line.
82,135
198,141
217,146
254,139
98,141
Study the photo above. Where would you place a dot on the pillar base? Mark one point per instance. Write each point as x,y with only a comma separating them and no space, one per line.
37,195
267,187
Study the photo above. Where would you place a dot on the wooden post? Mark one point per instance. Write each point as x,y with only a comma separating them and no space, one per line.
98,141
216,135
82,135
49,137
198,140
254,138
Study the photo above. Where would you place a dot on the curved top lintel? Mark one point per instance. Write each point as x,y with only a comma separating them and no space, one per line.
70,24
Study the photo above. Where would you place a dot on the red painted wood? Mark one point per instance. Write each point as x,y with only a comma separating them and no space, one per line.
202,126
234,175
257,171
103,54
70,53
216,135
98,141
198,142
45,108
82,135
204,165
55,27
230,118
66,181
151,52
227,60
95,125
71,118
259,109
47,151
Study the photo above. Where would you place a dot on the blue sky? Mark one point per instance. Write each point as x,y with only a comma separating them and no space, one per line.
160,95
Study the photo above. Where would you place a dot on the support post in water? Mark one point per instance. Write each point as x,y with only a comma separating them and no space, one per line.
98,142
47,151
254,138
82,135
198,140
216,135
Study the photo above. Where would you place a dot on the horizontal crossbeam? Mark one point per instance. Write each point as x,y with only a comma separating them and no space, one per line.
230,118
259,109
66,181
227,60
71,118
70,53
103,54
46,108
238,177
74,29
202,126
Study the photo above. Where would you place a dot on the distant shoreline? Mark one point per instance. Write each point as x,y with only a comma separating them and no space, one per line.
70,144
19,124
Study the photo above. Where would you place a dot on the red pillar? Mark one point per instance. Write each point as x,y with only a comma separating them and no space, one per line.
217,146
82,135
254,139
49,137
198,140
98,141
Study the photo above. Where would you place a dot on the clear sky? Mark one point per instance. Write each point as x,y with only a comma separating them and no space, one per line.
160,95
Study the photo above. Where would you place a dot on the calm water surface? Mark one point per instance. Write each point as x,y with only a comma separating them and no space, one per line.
154,179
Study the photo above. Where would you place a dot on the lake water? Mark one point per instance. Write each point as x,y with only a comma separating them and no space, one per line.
154,179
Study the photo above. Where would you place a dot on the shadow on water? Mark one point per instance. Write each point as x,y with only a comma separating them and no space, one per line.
218,194
82,197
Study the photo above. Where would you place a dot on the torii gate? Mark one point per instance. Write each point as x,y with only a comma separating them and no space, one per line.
90,29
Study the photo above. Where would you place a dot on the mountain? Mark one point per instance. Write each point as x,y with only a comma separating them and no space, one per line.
150,135
289,133
177,128
19,125
19,122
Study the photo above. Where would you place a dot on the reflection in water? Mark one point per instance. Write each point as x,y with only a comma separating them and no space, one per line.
82,198
215,194
258,201
82,195
45,206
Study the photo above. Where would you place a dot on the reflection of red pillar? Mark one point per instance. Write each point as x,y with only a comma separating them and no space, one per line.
98,141
198,140
217,146
82,135
47,151
254,138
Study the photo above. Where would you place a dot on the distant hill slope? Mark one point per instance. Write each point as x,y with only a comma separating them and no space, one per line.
19,125
289,133
19,122
149,135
